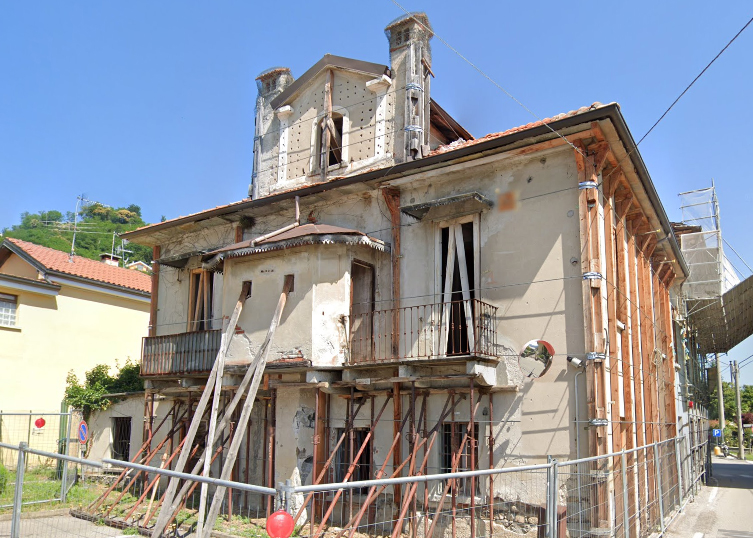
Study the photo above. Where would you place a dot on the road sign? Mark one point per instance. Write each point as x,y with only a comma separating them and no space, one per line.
83,432
716,432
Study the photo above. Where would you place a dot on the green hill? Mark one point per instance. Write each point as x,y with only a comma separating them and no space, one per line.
96,225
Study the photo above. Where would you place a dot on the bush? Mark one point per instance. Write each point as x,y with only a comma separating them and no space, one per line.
4,478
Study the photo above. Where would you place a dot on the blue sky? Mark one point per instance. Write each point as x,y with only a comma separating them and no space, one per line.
153,102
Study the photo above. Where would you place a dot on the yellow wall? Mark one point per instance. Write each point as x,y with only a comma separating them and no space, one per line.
75,330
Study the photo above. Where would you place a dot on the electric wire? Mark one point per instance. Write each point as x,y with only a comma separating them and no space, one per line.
486,76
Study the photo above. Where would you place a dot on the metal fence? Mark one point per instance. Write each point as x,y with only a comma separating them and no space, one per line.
49,432
633,493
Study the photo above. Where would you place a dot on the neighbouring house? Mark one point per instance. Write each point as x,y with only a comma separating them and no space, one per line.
512,291
60,313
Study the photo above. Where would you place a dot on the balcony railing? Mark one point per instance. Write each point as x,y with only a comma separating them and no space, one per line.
456,328
180,354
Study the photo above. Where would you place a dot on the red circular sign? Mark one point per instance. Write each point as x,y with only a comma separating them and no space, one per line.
39,423
280,525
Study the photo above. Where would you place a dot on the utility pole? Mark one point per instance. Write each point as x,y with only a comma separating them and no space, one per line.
720,392
740,432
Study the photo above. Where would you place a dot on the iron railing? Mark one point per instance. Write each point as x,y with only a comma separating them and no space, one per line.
455,328
179,354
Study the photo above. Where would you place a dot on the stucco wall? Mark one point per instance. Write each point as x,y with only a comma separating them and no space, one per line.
76,330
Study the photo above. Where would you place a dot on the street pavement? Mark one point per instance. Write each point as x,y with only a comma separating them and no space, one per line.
724,508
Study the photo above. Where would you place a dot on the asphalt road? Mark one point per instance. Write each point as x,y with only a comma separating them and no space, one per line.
723,509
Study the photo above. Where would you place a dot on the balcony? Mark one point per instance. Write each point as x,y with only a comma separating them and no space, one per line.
440,330
180,354
432,331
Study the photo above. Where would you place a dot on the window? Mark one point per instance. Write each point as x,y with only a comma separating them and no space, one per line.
361,312
121,438
200,301
362,469
8,305
335,131
452,439
332,127
458,258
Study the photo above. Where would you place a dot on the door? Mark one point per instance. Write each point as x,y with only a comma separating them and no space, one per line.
361,312
457,334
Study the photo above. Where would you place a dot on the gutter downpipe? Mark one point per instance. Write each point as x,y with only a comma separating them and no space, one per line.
577,441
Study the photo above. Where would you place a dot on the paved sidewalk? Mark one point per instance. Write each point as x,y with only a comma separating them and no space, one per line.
723,509
59,525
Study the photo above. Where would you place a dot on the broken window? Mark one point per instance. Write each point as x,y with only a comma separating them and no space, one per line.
455,451
200,301
8,305
343,458
330,128
121,438
458,276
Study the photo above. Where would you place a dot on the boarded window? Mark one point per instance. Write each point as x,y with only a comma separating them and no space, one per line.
331,128
200,301
8,305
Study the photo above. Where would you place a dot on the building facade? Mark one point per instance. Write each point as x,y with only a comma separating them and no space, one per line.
507,296
60,313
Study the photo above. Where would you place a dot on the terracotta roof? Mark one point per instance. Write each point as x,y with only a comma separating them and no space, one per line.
60,262
465,143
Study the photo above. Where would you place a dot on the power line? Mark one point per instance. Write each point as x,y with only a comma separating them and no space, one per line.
695,80
487,77
678,98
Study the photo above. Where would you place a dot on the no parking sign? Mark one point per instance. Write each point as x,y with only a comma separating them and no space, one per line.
83,432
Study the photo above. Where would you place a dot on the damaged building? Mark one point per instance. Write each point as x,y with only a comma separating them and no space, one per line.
452,303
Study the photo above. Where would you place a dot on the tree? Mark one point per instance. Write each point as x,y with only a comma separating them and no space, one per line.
96,225
98,382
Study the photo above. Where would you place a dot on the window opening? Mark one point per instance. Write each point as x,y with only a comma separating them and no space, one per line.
201,295
8,306
361,312
332,127
362,470
452,438
121,438
458,276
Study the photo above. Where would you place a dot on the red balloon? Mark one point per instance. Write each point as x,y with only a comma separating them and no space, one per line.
39,423
280,525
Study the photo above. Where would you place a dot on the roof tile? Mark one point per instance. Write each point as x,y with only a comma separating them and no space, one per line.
61,262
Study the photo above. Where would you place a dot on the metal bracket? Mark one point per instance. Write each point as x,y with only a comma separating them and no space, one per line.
583,185
592,275
596,356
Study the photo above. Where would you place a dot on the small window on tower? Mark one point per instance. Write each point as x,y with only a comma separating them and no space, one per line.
329,139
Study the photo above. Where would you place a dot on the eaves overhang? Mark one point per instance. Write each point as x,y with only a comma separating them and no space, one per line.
329,61
39,287
482,148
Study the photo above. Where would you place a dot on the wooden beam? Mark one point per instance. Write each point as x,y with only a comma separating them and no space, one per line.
240,430
154,302
170,501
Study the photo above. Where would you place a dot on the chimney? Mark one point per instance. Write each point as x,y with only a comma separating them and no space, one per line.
270,84
410,59
110,259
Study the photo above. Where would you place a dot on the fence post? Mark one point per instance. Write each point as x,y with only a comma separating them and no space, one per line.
679,472
659,487
625,499
66,451
552,498
18,491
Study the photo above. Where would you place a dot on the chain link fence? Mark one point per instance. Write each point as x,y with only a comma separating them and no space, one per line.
634,493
